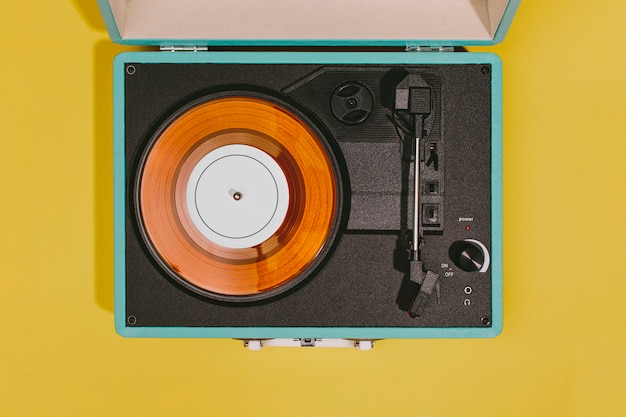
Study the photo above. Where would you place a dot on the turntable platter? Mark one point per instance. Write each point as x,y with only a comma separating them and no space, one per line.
238,197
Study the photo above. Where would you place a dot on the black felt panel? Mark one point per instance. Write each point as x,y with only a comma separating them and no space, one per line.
364,282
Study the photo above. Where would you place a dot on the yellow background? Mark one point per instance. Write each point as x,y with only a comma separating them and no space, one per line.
563,348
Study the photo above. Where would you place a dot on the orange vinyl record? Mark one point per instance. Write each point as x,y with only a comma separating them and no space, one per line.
239,197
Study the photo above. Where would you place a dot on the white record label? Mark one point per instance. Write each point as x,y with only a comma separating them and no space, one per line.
237,196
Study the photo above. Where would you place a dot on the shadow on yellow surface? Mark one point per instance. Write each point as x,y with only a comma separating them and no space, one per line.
90,13
103,55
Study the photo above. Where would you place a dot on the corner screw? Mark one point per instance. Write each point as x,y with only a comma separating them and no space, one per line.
485,70
130,70
132,320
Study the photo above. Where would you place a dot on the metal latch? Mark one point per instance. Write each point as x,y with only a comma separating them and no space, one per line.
257,344
183,48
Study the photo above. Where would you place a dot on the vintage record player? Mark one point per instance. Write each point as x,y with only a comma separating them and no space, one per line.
308,171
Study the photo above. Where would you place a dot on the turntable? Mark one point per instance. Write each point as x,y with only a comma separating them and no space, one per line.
308,196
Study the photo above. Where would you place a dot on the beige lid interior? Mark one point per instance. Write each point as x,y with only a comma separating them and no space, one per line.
403,20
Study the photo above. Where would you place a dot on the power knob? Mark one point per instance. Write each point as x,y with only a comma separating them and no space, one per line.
470,255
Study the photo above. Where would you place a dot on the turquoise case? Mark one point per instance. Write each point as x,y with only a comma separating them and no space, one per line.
303,58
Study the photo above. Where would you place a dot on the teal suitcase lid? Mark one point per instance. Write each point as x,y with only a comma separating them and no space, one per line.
308,23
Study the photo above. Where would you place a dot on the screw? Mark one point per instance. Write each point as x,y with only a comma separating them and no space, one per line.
485,321
485,70
130,70
132,320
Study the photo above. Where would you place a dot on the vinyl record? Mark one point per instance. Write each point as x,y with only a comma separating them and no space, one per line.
238,197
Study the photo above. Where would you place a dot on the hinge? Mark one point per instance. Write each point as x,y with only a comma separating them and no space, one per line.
421,48
180,48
